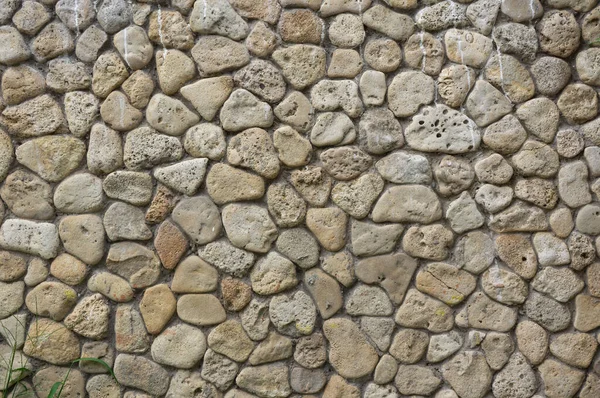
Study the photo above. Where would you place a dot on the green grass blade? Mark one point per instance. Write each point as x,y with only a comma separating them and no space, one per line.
99,361
54,389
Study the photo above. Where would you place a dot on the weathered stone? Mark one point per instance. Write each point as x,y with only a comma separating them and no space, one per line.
90,317
105,150
27,195
200,309
550,250
114,15
51,342
40,239
139,265
274,348
219,369
193,275
558,33
68,269
125,222
485,104
373,88
578,103
138,87
559,379
407,92
570,143
504,286
541,193
239,218
468,374
345,163
505,136
463,214
227,258
181,346
243,110
54,40
445,282
519,217
89,43
421,311
300,26
186,384
130,332
14,49
575,349
216,54
145,148
273,274
170,244
265,380
330,95
129,186
484,313
141,373
45,379
21,83
474,252
424,206
263,79
313,183
409,345
293,314
111,286
547,312
532,340
302,65
38,116
517,252
157,307
504,385
218,17
169,115
442,346
134,46
430,241
299,246
170,30
371,239
230,340
328,225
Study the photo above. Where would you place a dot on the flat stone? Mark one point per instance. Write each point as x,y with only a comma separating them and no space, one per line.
560,379
313,183
445,282
208,95
442,346
162,204
129,186
138,87
408,91
227,258
118,113
497,348
174,69
83,237
193,275
347,342
392,272
35,117
345,163
108,74
45,379
185,176
373,88
483,15
230,340
217,54
578,103
468,48
425,52
299,246
218,17
181,346
409,346
455,82
239,218
330,95
547,312
570,143
11,299
255,318
540,192
513,78
101,350
27,195
12,266
134,46
587,220
273,274
261,41
559,33
505,136
329,226
504,385
468,374
532,340
339,387
504,286
439,16
493,169
125,222
332,128
561,222
274,348
430,241
219,370
105,150
285,205
68,269
205,141
199,218
130,332
90,317
141,373
483,313
423,312
145,148
40,239
170,244
169,29
416,379
134,262
81,111
113,287
575,349
243,110
463,214
185,384
371,239
89,43
157,307
52,41
493,198
485,104
424,208
266,380
550,250
517,252
586,310
51,342
300,26
573,184
382,19
302,65
368,300
169,115
211,312
294,314
346,30
540,117
519,217
79,193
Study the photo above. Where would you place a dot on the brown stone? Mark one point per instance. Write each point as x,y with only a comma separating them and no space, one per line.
170,244
236,294
157,307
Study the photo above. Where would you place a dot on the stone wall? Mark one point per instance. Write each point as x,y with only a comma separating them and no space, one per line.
273,198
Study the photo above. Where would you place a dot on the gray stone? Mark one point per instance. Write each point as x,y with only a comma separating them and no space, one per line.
141,373
483,313
293,315
560,379
369,239
504,286
265,380
200,309
463,214
185,177
273,274
408,91
547,312
299,246
482,15
573,184
485,104
346,30
105,150
35,117
14,49
330,95
391,206
519,217
442,16
125,222
550,250
239,218
217,54
302,65
187,384
561,284
134,262
145,148
181,346
345,163
27,195
505,136
129,186
373,88
493,169
243,110
468,374
332,128
40,239
429,241
205,141
255,318
263,79
219,370
218,17
442,346
517,369
227,258
79,193
169,115
421,311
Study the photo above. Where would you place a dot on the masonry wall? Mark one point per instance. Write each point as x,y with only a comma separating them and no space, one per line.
305,198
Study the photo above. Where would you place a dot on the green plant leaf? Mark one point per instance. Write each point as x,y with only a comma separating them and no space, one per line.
99,361
54,390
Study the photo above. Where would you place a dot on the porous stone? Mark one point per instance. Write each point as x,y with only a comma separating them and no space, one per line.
547,312
218,17
330,95
485,104
512,77
40,239
504,286
430,241
445,282
21,83
468,374
516,369
560,379
532,341
263,79
38,116
227,258
328,225
301,64
111,286
14,48
346,30
484,313
141,373
294,314
267,380
493,198
421,311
